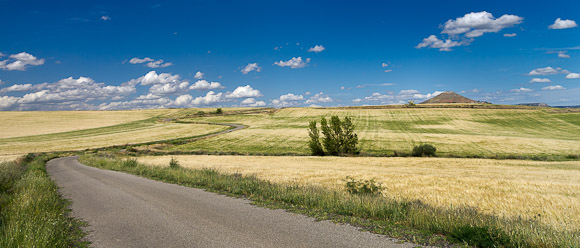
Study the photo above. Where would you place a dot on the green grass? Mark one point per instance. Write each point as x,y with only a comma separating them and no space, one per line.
32,213
413,221
456,132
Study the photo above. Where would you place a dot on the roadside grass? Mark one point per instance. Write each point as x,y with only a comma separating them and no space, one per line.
32,213
546,191
409,220
529,133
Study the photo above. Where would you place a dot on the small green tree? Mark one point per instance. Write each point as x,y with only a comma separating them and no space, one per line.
410,104
219,111
339,137
314,143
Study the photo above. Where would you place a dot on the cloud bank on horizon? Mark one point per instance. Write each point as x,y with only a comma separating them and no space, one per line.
344,69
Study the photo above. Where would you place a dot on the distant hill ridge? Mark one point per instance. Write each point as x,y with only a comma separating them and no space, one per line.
449,97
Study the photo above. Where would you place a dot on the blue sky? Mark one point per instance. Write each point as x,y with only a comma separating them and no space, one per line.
77,55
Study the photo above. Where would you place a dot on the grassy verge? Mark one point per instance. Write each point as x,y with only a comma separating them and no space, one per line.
413,221
32,213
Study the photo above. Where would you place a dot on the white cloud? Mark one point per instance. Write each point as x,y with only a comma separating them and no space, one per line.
66,94
522,90
105,18
476,24
573,75
554,87
547,71
138,104
401,98
563,24
540,80
319,98
152,78
20,61
288,100
244,92
251,67
6,102
251,102
462,30
139,61
563,54
384,64
205,85
198,75
510,35
210,98
168,88
151,63
291,97
183,100
293,63
317,49
433,42
17,87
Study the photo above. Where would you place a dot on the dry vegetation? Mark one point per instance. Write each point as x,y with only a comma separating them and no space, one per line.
25,132
454,131
548,191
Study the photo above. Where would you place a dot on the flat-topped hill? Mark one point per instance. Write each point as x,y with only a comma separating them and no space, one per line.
449,97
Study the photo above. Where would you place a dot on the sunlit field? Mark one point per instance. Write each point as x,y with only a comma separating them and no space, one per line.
546,191
24,132
454,131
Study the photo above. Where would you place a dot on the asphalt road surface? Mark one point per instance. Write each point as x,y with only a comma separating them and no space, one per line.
128,211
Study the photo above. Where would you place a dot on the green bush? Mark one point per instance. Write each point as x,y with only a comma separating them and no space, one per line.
339,137
174,164
129,163
424,150
363,187
219,111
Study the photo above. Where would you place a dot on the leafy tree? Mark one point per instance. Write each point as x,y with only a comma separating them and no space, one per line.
424,150
314,143
410,104
339,137
219,111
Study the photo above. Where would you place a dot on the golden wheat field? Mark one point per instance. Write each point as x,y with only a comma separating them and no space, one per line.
548,191
454,131
24,132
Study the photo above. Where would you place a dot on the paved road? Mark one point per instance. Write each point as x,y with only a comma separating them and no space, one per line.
129,211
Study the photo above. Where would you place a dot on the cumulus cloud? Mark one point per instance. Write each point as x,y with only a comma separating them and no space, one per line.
540,80
152,78
433,42
573,75
66,94
288,100
183,100
251,102
20,62
251,67
105,18
317,49
198,75
169,88
163,102
554,87
210,98
476,24
319,98
401,98
510,35
244,92
547,71
17,87
522,90
294,62
151,63
462,30
205,85
563,24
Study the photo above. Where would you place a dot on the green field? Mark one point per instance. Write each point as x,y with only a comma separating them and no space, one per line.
461,132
